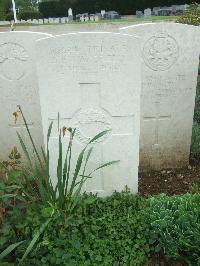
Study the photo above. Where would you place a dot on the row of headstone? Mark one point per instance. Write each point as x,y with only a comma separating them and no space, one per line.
106,76
91,18
2,23
169,10
40,21
162,11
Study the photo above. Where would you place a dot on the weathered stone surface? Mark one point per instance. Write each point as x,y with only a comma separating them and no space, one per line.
18,86
89,78
170,55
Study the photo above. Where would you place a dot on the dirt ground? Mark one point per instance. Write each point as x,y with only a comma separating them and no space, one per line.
170,182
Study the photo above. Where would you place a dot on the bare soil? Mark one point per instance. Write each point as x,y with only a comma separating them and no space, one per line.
171,181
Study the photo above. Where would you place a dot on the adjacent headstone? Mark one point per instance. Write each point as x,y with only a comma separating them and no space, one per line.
41,21
91,18
86,19
56,20
46,21
96,18
18,86
147,12
170,55
103,12
35,21
89,78
139,14
82,19
70,14
51,20
63,20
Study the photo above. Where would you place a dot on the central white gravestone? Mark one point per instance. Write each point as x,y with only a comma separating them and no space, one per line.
170,54
18,86
89,78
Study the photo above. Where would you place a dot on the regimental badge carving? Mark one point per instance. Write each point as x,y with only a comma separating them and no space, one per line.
90,122
161,52
13,58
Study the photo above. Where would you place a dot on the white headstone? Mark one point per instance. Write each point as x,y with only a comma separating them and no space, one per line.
139,14
170,54
96,18
35,21
18,86
89,78
91,18
63,20
82,19
56,20
51,20
41,21
46,21
147,12
103,12
86,19
70,13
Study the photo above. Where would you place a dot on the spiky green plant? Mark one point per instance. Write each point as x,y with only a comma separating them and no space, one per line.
65,196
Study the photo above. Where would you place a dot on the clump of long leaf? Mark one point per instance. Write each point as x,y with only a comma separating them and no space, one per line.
66,194
65,190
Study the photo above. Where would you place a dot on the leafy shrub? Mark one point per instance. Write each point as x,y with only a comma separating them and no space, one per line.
109,231
191,15
175,227
29,14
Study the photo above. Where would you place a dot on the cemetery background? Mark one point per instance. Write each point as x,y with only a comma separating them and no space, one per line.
124,202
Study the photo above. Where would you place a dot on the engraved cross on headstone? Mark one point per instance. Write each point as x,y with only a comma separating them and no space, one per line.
157,118
92,118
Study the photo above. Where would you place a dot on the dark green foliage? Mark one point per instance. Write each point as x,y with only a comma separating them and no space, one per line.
29,14
91,6
113,231
197,104
52,9
175,227
195,146
109,232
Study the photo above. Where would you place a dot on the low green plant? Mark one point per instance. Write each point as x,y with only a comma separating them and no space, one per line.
110,231
195,188
175,227
61,199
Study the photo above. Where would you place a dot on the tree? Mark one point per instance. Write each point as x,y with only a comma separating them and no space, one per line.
5,7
